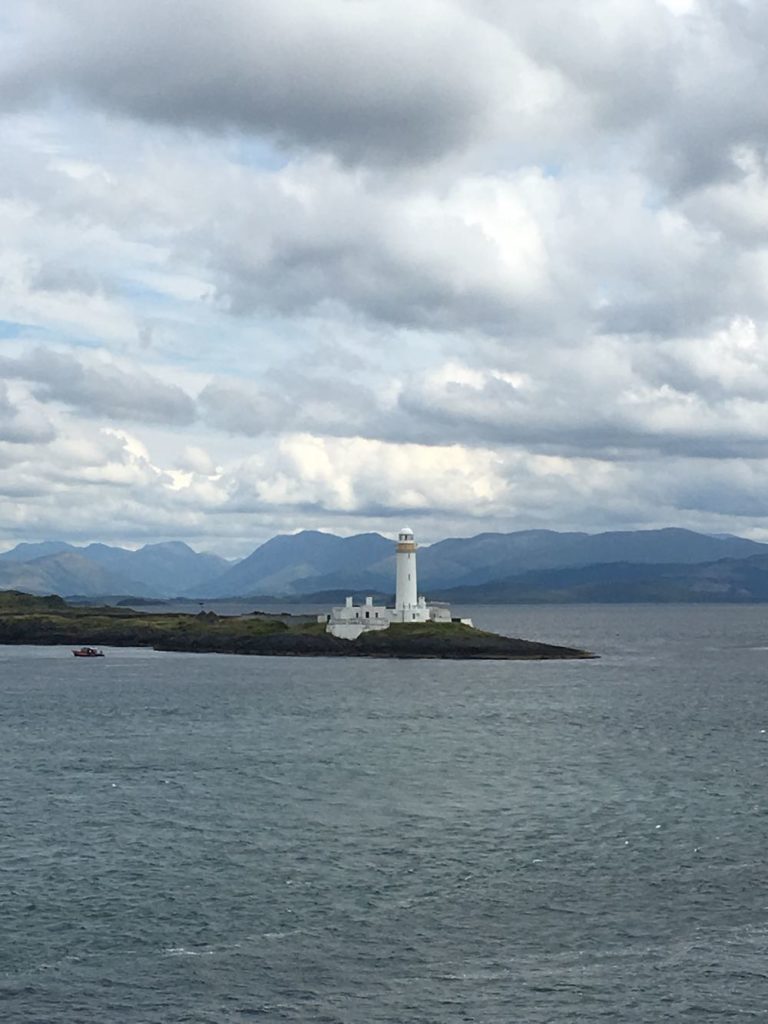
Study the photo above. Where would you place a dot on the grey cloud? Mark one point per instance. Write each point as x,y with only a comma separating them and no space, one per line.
323,241
679,93
700,139
100,389
19,425
621,399
492,416
622,56
63,277
238,411
609,269
319,241
569,413
698,369
368,278
364,80
715,111
294,400
403,84
605,258
725,497
702,489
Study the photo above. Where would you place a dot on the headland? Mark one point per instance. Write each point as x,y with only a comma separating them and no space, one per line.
25,619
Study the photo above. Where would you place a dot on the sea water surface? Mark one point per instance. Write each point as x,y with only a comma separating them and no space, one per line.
219,839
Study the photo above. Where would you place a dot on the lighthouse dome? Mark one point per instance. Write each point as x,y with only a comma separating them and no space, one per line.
406,533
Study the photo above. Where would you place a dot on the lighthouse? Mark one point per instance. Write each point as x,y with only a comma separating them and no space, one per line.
350,620
406,592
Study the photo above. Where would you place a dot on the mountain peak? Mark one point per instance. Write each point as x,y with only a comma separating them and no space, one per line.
179,546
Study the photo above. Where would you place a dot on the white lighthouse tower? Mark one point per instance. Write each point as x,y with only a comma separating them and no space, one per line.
406,589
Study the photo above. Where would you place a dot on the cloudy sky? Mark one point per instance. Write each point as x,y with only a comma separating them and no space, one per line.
477,264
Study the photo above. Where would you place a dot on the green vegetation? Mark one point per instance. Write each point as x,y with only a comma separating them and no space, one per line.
455,640
435,630
14,600
50,620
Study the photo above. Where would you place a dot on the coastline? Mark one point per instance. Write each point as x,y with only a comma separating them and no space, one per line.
50,621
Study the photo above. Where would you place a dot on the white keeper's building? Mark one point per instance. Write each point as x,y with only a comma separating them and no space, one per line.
350,620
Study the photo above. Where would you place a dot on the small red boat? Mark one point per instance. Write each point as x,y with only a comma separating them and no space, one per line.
88,652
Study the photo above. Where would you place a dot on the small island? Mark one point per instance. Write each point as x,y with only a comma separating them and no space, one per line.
25,619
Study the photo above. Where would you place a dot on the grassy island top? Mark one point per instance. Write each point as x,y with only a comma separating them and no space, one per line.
25,619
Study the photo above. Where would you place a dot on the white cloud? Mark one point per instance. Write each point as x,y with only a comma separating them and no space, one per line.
488,264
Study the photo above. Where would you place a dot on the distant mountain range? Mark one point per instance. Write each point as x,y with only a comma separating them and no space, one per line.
156,570
297,563
729,580
529,565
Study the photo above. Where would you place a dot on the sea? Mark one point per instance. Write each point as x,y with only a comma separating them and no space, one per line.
217,839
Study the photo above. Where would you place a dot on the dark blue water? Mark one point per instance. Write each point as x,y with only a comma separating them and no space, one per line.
194,838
